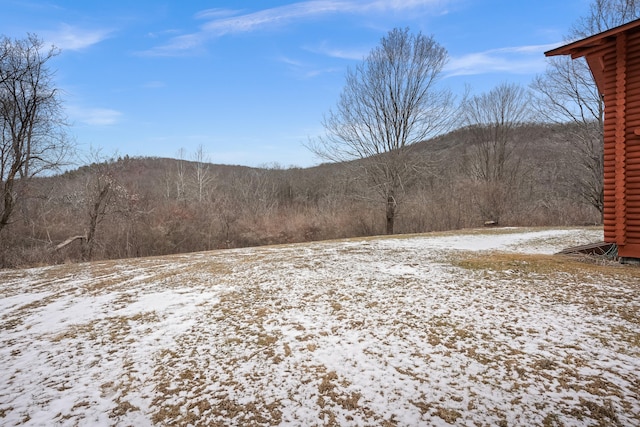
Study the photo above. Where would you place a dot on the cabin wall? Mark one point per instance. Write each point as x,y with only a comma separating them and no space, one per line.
632,246
621,87
609,92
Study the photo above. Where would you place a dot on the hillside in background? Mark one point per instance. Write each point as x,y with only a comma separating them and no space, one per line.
131,207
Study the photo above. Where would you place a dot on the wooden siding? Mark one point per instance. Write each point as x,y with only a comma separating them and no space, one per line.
614,59
620,84
632,146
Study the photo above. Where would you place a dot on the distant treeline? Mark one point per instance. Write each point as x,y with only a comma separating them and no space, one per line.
133,207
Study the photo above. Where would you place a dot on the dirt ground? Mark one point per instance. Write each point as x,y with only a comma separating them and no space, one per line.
475,328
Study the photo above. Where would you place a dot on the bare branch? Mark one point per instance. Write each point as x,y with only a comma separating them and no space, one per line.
389,103
32,127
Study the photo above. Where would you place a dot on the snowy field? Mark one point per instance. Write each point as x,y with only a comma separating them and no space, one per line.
479,328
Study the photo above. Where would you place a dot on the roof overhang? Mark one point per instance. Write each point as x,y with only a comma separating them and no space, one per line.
588,45
592,49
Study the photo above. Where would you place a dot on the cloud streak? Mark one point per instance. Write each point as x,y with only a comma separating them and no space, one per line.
220,22
513,60
95,116
68,37
351,54
303,70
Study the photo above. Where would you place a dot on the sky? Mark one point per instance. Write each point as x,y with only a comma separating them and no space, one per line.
250,81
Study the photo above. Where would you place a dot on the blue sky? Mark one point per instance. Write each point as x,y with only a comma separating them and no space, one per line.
249,81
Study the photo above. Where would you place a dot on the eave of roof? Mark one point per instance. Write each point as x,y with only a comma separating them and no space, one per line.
580,47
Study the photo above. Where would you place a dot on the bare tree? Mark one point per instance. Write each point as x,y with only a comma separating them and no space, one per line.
98,197
603,15
99,194
567,93
181,175
201,175
493,118
389,103
492,163
32,138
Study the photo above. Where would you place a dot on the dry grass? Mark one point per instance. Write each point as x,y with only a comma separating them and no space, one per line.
571,268
342,333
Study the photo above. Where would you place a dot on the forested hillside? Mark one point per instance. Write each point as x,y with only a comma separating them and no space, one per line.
132,207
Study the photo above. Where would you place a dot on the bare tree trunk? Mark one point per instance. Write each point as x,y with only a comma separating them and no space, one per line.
202,177
180,176
96,211
391,213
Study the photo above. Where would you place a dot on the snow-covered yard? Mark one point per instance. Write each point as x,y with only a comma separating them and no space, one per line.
476,328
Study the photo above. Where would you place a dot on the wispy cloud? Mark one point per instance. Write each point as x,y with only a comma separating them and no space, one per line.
275,17
168,32
216,13
514,60
333,52
220,22
94,116
304,70
68,37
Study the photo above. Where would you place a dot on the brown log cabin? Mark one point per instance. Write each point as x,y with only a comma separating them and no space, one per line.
614,59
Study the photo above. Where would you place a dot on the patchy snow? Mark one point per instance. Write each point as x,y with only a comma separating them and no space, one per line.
386,331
